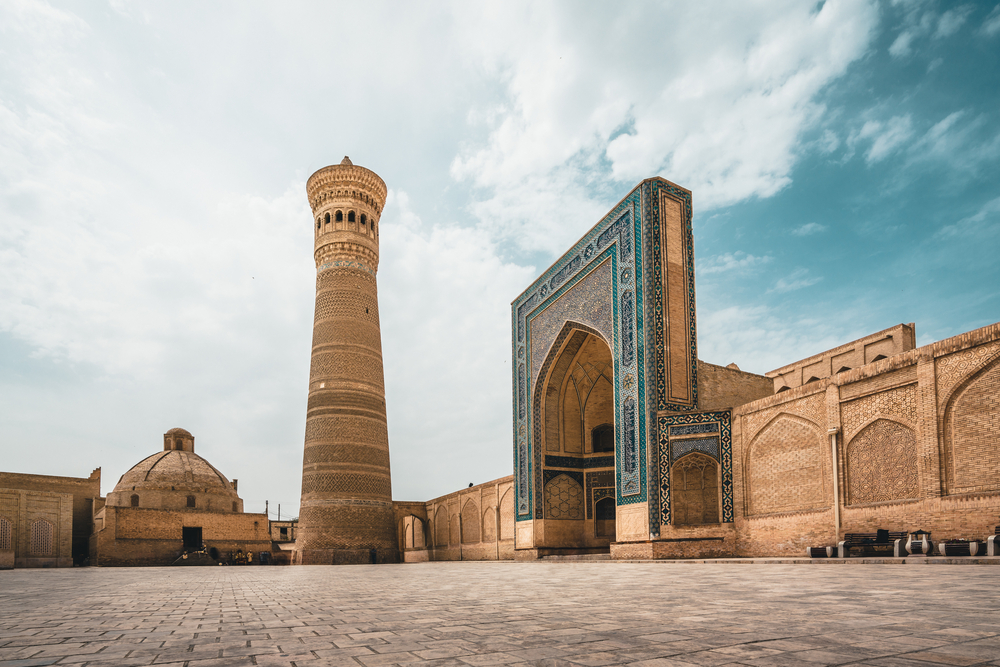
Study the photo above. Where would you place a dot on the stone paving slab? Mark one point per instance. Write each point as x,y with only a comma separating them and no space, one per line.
549,614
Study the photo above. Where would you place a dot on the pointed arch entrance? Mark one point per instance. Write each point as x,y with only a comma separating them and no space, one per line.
574,428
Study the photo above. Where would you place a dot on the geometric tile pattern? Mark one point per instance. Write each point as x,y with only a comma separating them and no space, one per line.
724,454
618,237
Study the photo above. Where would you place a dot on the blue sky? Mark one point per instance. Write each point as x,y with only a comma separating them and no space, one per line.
155,246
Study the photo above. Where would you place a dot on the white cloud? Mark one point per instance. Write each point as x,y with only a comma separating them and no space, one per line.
809,229
991,24
951,21
887,137
901,46
444,301
980,225
723,119
759,339
796,280
736,261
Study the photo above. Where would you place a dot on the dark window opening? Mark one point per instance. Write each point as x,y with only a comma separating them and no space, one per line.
603,438
318,223
284,532
235,506
881,356
192,538
190,501
134,501
350,216
604,513
327,219
812,379
340,216
364,220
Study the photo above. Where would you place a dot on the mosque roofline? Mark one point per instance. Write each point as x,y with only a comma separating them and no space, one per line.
572,245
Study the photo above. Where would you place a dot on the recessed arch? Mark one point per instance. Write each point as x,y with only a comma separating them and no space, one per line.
882,463
785,467
695,492
970,457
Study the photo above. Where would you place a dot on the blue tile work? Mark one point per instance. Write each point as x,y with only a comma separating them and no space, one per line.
679,448
723,420
692,429
659,295
618,236
578,462
586,302
600,484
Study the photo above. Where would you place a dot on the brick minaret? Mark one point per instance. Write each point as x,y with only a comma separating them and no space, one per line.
346,514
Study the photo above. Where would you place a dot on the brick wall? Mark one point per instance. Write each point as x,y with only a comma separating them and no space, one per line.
917,446
83,491
476,523
138,536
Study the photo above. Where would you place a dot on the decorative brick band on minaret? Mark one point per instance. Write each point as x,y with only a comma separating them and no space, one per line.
346,513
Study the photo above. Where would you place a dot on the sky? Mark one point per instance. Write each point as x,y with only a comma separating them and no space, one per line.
156,261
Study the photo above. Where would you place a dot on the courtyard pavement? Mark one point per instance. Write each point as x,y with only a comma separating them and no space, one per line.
552,614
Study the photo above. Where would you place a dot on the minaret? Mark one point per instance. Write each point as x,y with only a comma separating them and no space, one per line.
346,513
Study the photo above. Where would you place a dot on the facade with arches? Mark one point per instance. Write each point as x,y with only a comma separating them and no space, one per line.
46,520
625,442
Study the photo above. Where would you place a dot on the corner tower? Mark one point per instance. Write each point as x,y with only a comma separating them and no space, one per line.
346,512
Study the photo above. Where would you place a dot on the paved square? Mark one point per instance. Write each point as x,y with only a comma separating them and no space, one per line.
600,613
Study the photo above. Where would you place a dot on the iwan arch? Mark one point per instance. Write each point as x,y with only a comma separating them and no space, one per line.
626,443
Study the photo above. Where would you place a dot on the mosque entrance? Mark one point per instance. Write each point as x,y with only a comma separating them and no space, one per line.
192,538
575,403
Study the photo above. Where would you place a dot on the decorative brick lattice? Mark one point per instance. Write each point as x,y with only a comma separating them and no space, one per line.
954,368
353,453
6,534
785,468
346,483
41,539
356,304
972,422
470,523
563,498
347,332
900,403
347,429
882,463
345,365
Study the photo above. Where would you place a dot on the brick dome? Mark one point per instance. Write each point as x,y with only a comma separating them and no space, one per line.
176,479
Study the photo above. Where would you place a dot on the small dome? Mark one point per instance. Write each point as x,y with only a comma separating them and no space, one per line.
175,479
346,161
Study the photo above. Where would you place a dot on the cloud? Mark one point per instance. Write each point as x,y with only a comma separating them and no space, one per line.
991,24
921,24
985,222
951,21
724,119
737,261
444,302
887,137
901,46
796,280
809,229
